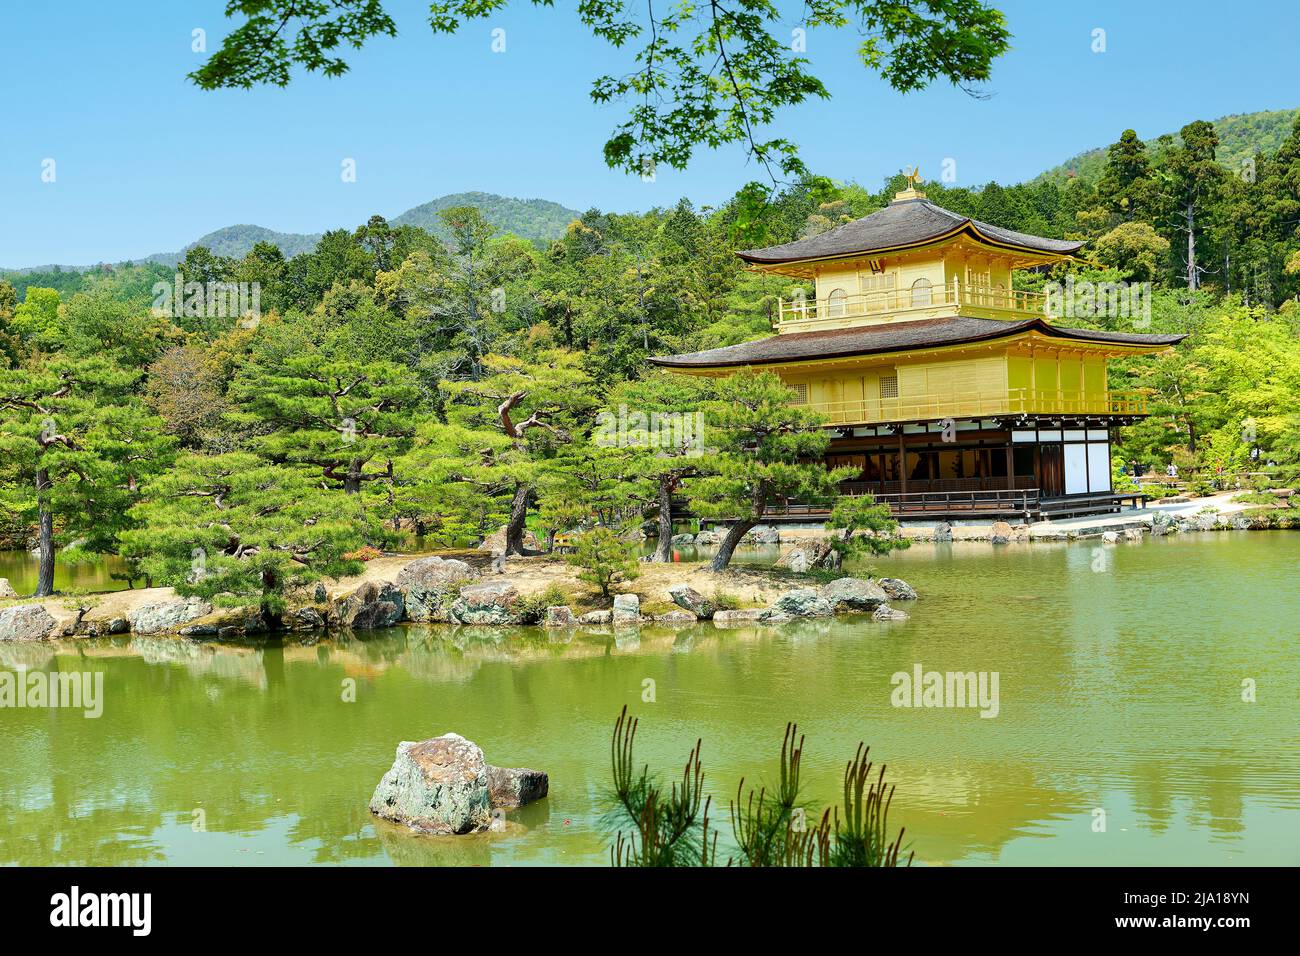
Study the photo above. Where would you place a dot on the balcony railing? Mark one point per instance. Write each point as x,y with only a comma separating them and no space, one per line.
981,405
953,297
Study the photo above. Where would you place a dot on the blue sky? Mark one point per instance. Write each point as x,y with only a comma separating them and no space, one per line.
146,162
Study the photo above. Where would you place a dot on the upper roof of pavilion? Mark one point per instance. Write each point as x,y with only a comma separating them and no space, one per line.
909,221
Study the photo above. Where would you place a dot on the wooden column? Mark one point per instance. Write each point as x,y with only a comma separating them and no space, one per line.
902,462
1011,471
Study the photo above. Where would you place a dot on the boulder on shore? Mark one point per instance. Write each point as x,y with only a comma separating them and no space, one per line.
428,583
683,540
854,594
801,602
897,589
372,605
7,591
559,615
491,603
627,609
25,622
1001,533
436,786
943,531
689,599
677,618
596,617
806,555
708,538
158,617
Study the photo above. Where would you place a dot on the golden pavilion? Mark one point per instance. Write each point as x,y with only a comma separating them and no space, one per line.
948,389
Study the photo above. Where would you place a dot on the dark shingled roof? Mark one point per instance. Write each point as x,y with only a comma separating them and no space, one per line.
905,222
891,337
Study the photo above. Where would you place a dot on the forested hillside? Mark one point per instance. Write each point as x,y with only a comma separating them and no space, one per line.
389,381
538,220
1242,136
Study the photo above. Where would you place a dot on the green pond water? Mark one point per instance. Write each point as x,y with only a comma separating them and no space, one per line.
1120,690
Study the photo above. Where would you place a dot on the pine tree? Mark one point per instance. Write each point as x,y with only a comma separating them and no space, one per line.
235,528
761,452
77,445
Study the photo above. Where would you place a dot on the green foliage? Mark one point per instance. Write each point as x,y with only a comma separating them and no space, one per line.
762,449
235,527
655,826
605,558
864,527
531,608
725,601
76,446
698,80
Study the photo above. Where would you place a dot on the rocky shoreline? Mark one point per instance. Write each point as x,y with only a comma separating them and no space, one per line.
433,589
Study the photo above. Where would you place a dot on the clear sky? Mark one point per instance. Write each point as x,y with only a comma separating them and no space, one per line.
146,162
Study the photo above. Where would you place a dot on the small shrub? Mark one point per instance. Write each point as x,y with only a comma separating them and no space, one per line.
726,601
531,608
364,553
605,558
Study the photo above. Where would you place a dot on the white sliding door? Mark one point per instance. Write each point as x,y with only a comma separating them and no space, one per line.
1076,468
1099,467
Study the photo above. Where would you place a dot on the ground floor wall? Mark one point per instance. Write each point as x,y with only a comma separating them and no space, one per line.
1055,460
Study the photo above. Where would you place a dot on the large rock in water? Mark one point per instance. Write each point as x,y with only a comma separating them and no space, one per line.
158,617
25,622
897,589
436,786
854,594
372,605
689,599
491,603
427,585
802,602
510,787
6,590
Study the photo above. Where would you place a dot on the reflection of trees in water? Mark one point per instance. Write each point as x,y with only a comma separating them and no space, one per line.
255,733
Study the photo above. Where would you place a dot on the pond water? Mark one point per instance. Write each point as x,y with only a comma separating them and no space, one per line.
1120,690
22,569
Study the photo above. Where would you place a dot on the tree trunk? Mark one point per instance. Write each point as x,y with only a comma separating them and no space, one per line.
1191,247
728,546
664,548
45,577
518,513
352,481
270,620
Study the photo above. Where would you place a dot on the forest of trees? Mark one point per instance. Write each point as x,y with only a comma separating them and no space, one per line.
395,384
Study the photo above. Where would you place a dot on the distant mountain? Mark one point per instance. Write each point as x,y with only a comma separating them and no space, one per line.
1241,137
534,219
526,218
236,241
